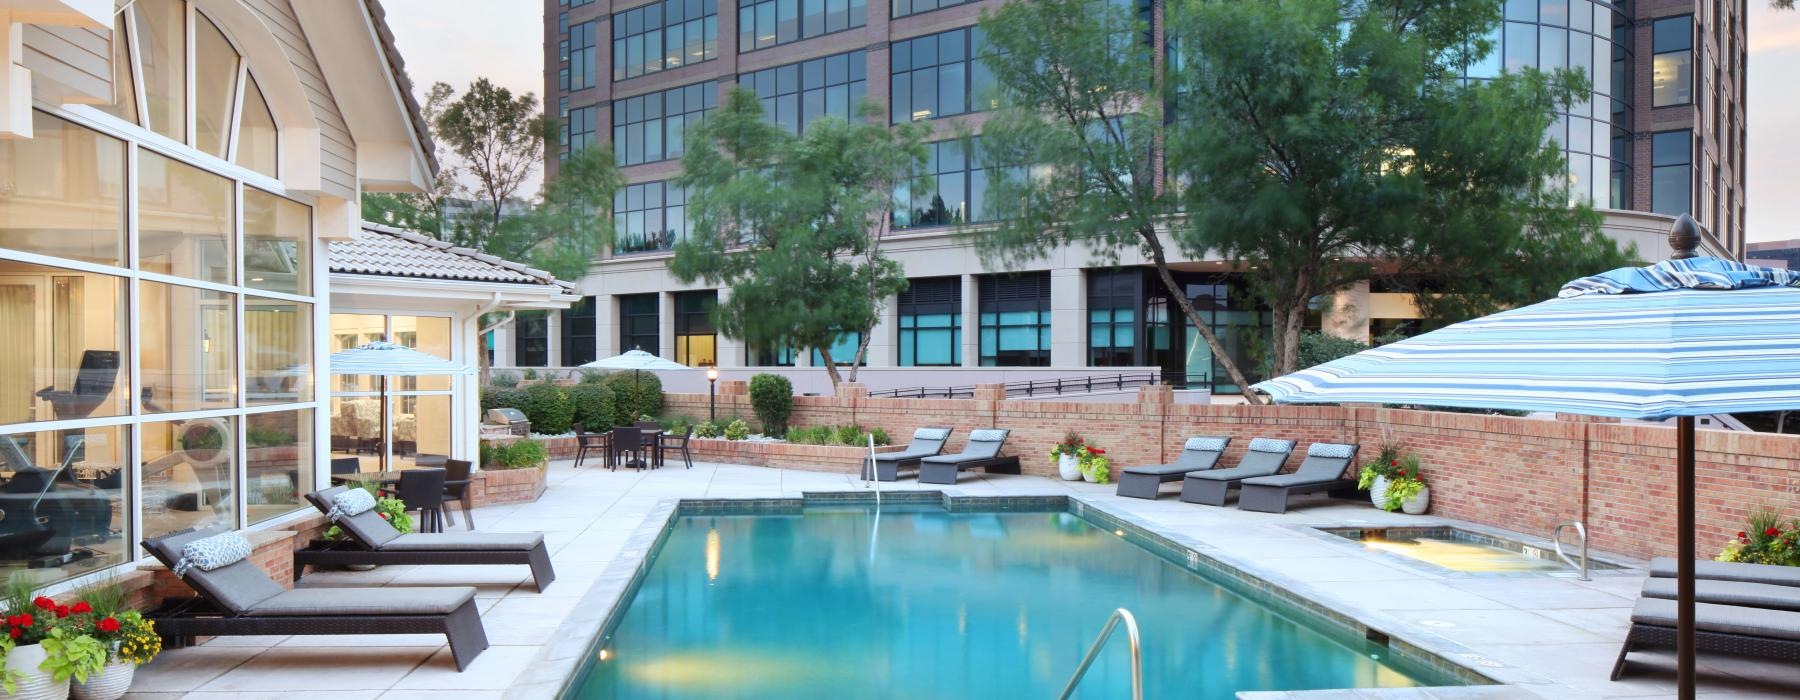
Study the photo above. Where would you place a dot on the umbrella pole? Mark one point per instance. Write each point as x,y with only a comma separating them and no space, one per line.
1684,587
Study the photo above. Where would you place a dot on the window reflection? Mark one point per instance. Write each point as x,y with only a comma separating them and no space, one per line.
278,351
215,87
66,335
63,498
257,147
356,430
187,472
184,220
62,193
277,462
277,243
162,50
189,358
421,430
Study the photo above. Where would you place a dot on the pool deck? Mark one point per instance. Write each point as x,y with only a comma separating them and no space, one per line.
1545,636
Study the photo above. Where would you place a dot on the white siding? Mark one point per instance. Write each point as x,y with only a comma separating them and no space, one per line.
79,59
337,151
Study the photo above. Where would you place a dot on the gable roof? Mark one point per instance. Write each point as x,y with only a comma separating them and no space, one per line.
395,252
414,112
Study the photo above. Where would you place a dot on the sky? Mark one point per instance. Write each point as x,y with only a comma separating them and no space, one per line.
455,41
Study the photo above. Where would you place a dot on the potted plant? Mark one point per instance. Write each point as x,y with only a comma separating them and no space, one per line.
1375,475
42,649
1064,456
1765,540
1096,467
127,638
1407,490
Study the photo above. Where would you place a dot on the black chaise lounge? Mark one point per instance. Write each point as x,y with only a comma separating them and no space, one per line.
1265,457
1741,609
372,540
1323,470
240,599
926,442
1197,455
982,452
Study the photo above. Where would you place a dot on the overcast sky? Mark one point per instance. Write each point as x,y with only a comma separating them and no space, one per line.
455,41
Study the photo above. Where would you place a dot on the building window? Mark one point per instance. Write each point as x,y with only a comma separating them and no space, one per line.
578,129
581,55
765,357
766,23
649,217
951,190
903,8
278,337
396,422
843,350
578,336
278,462
798,94
1015,320
531,339
562,23
939,75
65,193
1672,66
664,35
640,327
1113,300
931,323
66,332
1672,172
227,121
696,341
652,127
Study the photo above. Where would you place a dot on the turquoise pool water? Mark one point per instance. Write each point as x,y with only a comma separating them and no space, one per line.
926,603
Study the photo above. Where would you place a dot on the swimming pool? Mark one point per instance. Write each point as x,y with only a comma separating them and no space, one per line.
1455,549
924,601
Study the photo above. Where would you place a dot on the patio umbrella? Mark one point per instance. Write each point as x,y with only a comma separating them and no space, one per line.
1686,337
384,358
637,361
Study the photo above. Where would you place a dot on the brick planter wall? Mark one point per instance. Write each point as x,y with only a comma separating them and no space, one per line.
494,486
823,458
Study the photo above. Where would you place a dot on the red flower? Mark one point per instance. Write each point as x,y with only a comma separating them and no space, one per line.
1393,463
62,611
1741,535
81,607
1096,450
385,516
16,633
1772,532
24,620
108,625
44,602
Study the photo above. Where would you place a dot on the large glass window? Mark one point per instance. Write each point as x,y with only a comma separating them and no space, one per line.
951,190
903,8
278,459
257,146
649,217
664,35
184,221
1015,320
277,243
652,127
760,356
578,337
215,87
766,23
161,33
65,504
640,323
188,468
939,75
1672,67
393,422
531,339
578,130
65,332
798,94
422,425
581,55
1672,172
696,341
189,357
1113,301
931,323
843,350
62,193
277,351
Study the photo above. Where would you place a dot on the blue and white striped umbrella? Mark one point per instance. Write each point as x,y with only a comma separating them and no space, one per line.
1679,338
384,358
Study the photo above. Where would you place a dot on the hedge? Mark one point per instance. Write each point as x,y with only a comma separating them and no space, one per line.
549,409
634,394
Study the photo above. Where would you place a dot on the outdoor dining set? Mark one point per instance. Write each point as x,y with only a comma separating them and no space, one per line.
643,445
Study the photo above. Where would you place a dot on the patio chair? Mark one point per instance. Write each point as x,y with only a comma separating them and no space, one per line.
586,441
1198,454
677,444
1323,470
1210,487
237,598
345,465
629,447
423,490
982,452
456,489
1737,630
372,540
926,442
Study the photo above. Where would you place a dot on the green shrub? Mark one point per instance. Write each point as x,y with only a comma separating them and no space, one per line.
517,454
504,378
1318,348
531,373
881,436
840,435
593,405
851,435
634,394
549,409
502,397
707,429
591,376
737,430
772,397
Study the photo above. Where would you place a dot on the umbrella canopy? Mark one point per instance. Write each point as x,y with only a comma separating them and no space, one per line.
384,358
635,359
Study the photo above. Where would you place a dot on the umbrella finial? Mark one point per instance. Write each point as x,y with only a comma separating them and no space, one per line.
1684,238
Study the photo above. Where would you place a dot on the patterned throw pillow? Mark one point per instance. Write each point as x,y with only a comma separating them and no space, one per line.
349,503
1271,445
208,553
931,434
1330,449
1205,444
987,435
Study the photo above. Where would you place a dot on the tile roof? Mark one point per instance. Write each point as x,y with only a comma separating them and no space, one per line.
394,252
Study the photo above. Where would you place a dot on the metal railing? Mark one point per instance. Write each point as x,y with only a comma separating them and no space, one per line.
1137,655
1580,531
1033,387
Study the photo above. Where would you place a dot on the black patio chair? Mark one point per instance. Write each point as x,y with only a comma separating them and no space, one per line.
586,441
628,448
677,443
456,489
423,490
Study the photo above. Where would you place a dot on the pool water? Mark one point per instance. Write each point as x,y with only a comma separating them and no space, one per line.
926,603
1461,550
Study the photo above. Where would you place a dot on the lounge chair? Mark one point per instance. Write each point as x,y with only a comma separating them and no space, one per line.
1265,457
238,598
1728,629
1323,470
1197,455
982,452
372,540
926,442
1665,567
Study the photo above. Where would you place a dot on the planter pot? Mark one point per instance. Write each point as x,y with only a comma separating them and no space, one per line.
109,684
1089,477
1068,468
1419,503
33,684
1378,492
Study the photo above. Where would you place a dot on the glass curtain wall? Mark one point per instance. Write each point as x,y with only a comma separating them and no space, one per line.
392,423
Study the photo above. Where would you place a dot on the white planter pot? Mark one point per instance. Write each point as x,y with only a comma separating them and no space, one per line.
1418,504
1068,468
1088,476
109,684
1378,492
33,684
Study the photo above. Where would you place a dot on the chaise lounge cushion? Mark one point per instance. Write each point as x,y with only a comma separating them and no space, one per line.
237,586
1284,480
1749,595
903,455
1724,619
1664,567
311,602
1166,469
464,541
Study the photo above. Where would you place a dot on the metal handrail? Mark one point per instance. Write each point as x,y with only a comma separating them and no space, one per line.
1032,387
1137,655
1581,531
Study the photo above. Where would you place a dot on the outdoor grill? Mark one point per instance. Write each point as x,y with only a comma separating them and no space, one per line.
511,419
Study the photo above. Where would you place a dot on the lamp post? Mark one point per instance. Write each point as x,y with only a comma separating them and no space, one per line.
712,395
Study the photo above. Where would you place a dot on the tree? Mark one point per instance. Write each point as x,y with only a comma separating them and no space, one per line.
1326,141
420,211
573,223
786,221
1080,102
500,139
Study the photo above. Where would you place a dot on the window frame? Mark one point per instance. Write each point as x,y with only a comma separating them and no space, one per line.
1656,52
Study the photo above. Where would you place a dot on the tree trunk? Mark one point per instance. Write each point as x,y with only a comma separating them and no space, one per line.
862,352
1289,318
1193,317
830,368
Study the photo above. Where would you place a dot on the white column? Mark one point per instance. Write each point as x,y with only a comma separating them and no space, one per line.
606,326
731,350
971,321
503,343
665,322
1068,313
883,347
553,321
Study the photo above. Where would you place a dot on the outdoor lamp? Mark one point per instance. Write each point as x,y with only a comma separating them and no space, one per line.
712,395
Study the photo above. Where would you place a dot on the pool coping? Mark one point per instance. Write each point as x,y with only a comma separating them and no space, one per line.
553,668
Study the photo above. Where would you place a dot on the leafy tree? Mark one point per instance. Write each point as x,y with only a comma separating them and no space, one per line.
573,224
1321,136
500,140
786,221
772,397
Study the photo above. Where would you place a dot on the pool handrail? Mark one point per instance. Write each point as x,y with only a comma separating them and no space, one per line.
1556,539
1137,655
